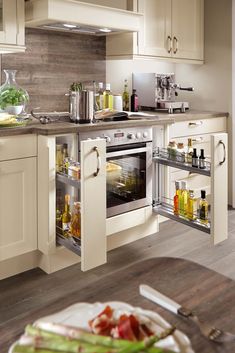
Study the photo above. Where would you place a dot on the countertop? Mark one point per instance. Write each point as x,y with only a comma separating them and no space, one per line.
158,118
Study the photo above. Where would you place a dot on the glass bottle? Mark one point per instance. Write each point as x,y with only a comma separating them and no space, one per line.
59,158
172,150
75,226
99,97
13,98
189,153
183,199
177,197
195,161
66,216
134,101
202,162
108,97
203,208
192,206
125,96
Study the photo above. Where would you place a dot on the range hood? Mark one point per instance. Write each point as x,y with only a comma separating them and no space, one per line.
81,17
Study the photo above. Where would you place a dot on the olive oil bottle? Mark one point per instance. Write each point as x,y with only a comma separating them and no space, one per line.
203,208
177,197
183,199
126,97
108,97
192,206
66,216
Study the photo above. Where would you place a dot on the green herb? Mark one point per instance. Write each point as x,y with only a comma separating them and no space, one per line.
12,96
76,87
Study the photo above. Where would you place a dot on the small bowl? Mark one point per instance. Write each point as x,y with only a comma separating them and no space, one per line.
14,109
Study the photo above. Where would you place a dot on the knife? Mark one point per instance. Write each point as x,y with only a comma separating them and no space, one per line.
162,300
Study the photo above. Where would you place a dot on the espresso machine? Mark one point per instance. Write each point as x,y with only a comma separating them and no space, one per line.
159,92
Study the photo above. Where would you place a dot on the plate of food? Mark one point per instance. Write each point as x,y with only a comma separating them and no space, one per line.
8,120
111,327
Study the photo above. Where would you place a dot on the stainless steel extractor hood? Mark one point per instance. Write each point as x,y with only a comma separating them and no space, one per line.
77,16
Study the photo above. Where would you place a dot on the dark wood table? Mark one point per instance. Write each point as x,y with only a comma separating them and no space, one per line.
209,293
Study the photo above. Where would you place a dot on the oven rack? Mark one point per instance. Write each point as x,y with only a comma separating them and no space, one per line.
162,156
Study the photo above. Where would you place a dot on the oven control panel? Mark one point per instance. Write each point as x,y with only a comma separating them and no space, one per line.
123,136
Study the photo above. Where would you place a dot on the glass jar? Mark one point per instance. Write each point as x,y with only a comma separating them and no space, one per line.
180,152
75,225
13,98
172,150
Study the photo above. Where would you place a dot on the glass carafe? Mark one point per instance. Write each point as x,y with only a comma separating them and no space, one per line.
13,98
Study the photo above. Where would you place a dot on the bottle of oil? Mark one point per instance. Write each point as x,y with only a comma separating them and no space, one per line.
108,97
192,206
177,197
203,208
183,199
126,96
66,216
75,226
189,153
100,97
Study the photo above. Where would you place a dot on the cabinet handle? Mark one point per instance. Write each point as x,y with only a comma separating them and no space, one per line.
224,159
197,123
98,161
199,139
175,45
169,44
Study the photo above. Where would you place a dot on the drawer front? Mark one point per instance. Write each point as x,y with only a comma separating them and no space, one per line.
199,142
195,182
15,147
198,127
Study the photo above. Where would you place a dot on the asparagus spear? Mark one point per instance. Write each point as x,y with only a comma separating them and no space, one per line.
29,349
87,340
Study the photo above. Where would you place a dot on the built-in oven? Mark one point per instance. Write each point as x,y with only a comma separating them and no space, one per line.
128,168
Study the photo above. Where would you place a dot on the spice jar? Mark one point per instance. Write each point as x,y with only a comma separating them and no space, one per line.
172,150
180,152
75,225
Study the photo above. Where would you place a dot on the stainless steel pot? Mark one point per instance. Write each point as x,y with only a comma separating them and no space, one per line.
81,106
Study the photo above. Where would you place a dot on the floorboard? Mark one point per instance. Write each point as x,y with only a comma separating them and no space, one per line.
34,289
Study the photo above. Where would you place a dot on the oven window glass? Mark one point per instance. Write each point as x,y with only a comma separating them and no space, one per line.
126,178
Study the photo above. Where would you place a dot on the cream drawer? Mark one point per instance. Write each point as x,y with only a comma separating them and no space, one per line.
195,182
15,147
198,127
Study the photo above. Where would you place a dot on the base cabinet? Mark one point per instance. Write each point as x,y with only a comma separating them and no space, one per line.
18,208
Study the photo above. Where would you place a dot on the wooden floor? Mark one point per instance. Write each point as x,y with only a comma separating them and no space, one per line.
34,289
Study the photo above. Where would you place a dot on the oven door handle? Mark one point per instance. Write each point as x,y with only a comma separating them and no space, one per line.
124,152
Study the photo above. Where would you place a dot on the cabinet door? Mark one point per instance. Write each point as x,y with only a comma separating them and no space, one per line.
188,29
18,221
8,21
155,37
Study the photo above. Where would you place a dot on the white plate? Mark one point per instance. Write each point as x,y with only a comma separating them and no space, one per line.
79,314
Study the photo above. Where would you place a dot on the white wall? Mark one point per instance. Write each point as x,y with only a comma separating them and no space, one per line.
119,70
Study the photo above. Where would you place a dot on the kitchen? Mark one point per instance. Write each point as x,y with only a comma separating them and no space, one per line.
46,70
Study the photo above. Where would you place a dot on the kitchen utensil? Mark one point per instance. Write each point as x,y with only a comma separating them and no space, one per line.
212,333
79,314
81,106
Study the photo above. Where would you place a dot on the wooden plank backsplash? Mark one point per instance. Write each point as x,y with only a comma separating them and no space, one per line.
52,61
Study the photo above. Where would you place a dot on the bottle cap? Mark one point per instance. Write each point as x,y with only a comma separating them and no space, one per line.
195,151
203,194
190,142
180,145
191,191
134,90
184,185
108,86
177,185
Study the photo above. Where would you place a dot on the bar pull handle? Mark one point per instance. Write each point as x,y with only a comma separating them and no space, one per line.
196,123
169,44
175,45
224,159
98,161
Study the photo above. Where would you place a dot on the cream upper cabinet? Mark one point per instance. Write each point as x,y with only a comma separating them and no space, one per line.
155,37
171,29
187,29
12,22
18,209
